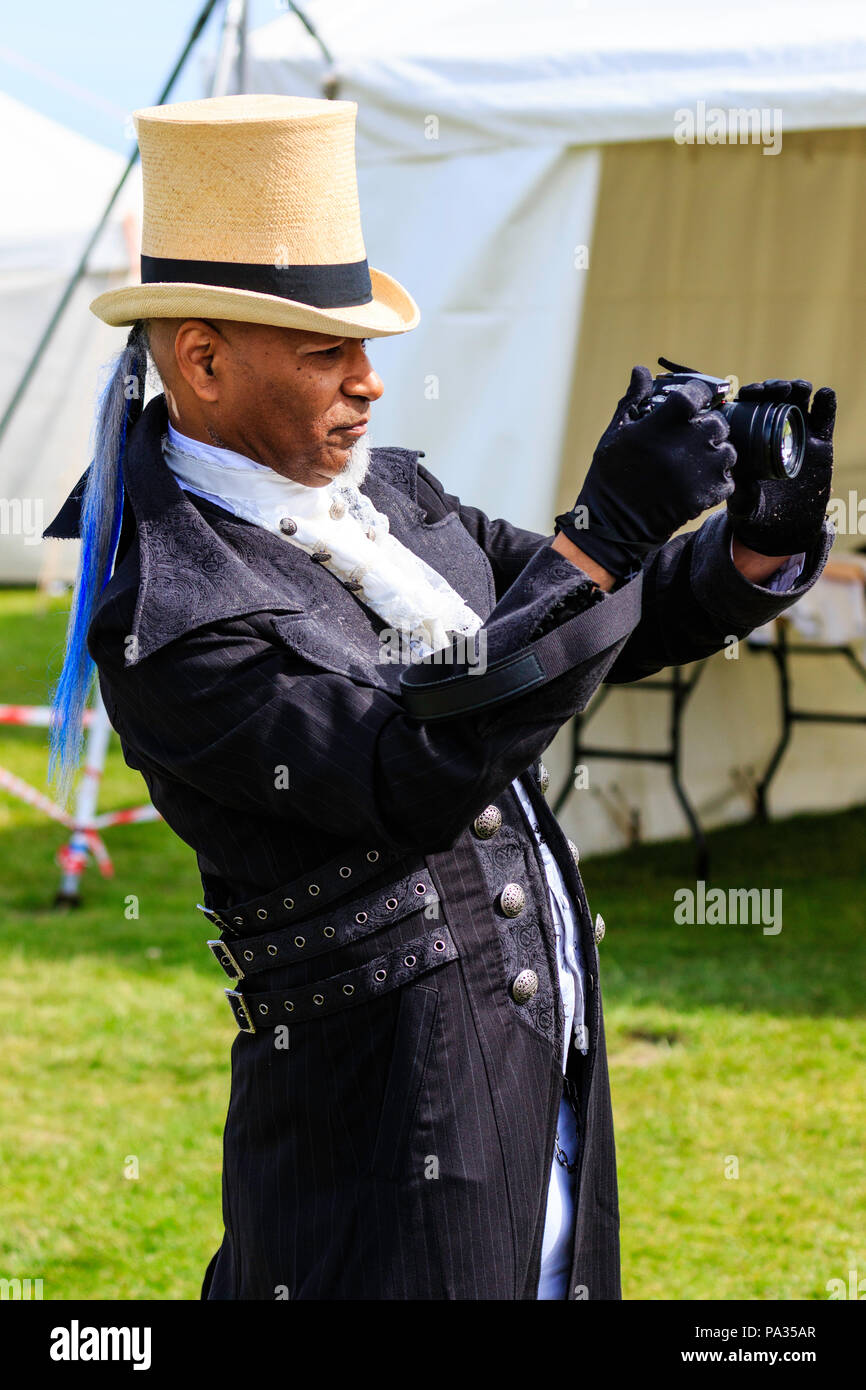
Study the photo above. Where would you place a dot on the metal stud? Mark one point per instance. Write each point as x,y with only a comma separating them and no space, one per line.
512,899
575,852
337,509
543,778
524,986
599,928
288,526
487,822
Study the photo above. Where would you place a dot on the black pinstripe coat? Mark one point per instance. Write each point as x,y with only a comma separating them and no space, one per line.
392,1117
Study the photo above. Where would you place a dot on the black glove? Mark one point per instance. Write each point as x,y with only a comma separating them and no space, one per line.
650,474
784,516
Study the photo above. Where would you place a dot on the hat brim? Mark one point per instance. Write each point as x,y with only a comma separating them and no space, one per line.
391,310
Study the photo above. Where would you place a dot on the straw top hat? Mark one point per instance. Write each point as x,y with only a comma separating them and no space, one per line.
251,213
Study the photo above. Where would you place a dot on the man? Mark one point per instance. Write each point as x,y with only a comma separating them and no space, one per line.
420,1104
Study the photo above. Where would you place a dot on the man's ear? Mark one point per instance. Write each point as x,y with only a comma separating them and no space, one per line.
195,345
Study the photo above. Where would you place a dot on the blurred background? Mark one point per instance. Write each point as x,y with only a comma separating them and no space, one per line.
521,170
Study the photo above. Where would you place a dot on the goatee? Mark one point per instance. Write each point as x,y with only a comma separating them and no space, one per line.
354,470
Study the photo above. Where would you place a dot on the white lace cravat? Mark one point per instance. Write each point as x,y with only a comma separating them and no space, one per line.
336,521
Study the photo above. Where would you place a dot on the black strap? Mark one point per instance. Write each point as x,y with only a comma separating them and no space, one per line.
569,645
395,968
324,286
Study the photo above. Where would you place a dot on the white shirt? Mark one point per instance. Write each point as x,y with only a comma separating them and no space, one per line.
556,1249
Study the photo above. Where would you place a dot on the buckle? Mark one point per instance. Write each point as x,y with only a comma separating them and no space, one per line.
240,1012
223,956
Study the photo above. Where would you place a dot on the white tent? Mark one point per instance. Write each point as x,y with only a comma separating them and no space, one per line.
519,171
55,185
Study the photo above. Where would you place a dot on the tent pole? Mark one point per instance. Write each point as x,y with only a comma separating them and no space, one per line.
81,267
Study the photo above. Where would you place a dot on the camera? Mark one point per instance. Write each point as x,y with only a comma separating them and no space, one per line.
769,437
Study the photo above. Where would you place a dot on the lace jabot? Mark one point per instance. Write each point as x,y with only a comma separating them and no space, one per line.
337,522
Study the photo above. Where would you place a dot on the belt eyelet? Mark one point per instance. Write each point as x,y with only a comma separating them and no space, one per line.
372,855
348,989
409,960
288,903
380,975
313,889
438,945
345,872
287,1004
263,1008
328,931
391,903
248,955
262,914
300,941
360,918
420,887
272,950
318,998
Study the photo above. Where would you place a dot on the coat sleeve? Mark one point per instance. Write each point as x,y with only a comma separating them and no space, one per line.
695,600
694,597
230,710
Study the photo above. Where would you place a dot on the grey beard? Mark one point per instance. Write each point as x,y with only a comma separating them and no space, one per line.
354,470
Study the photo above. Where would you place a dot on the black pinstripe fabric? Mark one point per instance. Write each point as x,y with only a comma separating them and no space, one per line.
400,1149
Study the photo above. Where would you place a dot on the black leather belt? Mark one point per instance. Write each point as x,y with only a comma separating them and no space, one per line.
328,931
389,971
306,895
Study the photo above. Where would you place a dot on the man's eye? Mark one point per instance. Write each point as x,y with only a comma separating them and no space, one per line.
329,352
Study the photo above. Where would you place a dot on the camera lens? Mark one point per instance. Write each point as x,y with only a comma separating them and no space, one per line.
769,439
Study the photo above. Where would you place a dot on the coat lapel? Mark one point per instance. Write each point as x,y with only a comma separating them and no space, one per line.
198,564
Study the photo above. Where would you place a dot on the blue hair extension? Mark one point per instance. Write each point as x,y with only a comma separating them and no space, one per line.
120,405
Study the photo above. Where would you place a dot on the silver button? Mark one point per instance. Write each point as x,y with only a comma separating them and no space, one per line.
512,900
575,852
524,986
288,526
599,928
543,778
487,822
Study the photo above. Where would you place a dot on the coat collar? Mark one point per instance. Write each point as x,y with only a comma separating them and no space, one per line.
196,564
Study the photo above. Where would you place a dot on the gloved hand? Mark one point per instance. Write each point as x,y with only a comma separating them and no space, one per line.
784,516
650,474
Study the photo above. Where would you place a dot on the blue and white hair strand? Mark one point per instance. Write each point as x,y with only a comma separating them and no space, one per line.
120,406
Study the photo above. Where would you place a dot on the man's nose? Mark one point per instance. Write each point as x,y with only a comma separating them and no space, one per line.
363,380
